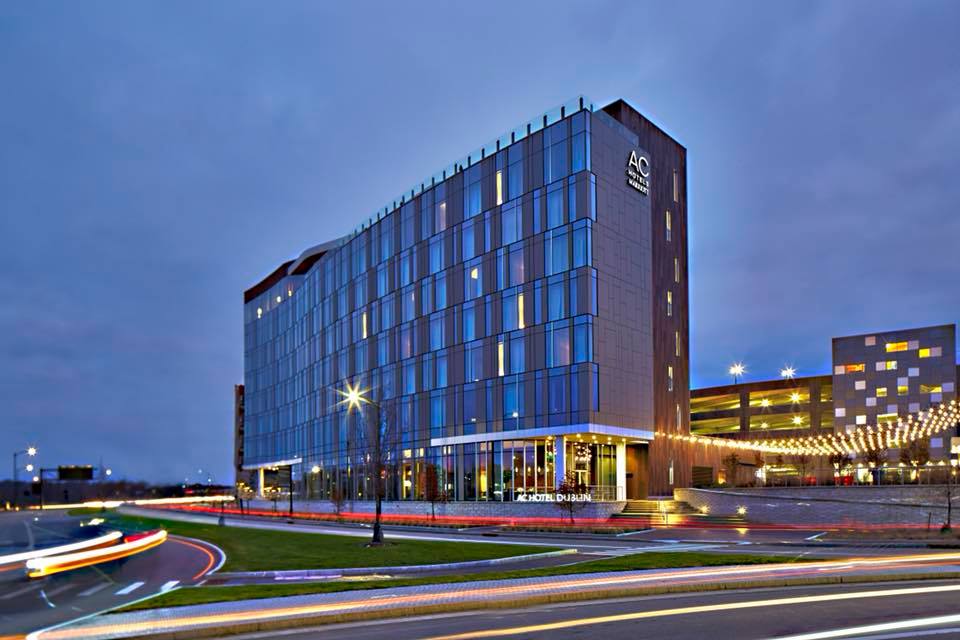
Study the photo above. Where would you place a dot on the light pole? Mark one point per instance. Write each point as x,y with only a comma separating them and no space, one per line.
736,370
30,451
354,398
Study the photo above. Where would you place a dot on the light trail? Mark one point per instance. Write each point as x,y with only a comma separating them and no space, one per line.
39,567
113,504
174,621
92,543
710,608
876,628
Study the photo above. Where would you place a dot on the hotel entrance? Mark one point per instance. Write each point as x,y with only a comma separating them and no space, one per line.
594,465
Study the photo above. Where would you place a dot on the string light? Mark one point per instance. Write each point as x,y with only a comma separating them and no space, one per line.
888,435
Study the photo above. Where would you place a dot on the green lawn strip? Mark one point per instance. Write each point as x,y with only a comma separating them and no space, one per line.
273,550
652,560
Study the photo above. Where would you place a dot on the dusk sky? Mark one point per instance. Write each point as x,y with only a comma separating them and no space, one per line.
156,159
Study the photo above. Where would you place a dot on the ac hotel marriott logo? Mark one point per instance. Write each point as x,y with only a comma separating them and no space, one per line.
638,172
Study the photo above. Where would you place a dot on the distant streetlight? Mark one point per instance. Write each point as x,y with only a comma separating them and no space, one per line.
788,372
29,467
109,472
736,370
30,451
315,468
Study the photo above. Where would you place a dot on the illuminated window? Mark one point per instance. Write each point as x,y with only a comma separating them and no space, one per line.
871,402
881,392
669,227
890,415
669,303
861,419
870,341
896,346
860,385
913,372
925,352
902,390
931,388
669,378
840,412
676,270
853,368
520,324
676,343
676,187
363,324
499,187
936,352
259,313
887,365
499,350
913,407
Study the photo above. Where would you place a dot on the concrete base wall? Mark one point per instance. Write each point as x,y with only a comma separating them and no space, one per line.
505,510
889,505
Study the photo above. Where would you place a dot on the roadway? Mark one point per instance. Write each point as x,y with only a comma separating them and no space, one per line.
28,604
888,611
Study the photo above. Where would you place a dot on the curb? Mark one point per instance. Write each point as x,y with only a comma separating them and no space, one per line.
307,574
307,621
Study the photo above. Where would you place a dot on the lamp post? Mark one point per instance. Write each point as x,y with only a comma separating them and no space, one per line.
736,370
788,373
30,451
354,399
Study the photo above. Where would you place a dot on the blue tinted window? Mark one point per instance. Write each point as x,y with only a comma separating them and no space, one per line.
555,206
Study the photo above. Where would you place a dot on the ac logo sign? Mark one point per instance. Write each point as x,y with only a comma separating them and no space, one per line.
638,172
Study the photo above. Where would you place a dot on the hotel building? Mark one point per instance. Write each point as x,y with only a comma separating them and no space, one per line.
519,316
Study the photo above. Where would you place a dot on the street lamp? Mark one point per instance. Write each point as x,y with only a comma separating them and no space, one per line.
736,370
30,451
788,372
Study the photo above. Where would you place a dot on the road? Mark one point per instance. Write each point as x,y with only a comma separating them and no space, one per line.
28,604
890,611
315,608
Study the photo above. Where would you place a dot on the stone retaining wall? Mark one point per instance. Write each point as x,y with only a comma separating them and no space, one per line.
829,505
597,510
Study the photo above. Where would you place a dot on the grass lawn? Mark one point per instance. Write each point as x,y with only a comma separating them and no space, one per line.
265,550
653,560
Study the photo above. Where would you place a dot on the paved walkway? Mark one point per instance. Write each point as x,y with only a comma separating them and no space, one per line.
227,617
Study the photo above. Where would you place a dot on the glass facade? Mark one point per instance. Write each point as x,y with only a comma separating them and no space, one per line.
467,311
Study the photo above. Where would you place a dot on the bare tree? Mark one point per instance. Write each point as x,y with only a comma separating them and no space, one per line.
377,443
916,454
878,458
840,461
432,491
570,487
730,464
337,497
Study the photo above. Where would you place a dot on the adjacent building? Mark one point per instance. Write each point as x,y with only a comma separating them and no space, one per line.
876,378
517,319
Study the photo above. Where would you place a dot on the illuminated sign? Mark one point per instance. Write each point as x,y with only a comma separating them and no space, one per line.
638,172
554,497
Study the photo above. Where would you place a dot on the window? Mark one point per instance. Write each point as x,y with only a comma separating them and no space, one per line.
676,343
913,407
896,346
515,170
881,392
931,388
442,369
676,186
500,370
669,226
902,390
556,252
499,187
870,341
471,192
840,412
473,362
669,378
472,281
516,354
511,227
582,250
515,263
853,368
511,311
520,324
557,389
887,365
924,353
861,419
363,324
469,322
860,385
558,345
441,215
871,402
436,254
913,372
676,270
555,299
555,206
440,291
669,303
